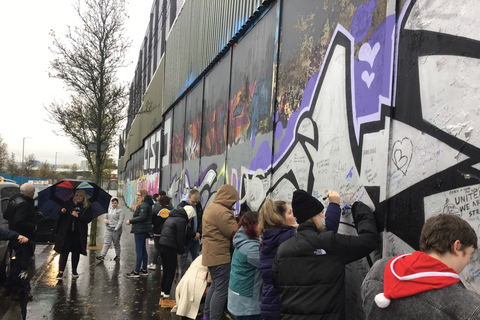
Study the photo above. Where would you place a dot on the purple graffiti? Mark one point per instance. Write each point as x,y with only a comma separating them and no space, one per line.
263,158
362,20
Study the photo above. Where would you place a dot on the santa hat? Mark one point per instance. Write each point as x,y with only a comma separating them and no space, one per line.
409,274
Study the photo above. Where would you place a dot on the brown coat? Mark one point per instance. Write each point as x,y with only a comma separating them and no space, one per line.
218,226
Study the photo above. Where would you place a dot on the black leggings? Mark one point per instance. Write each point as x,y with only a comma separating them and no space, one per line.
169,263
62,262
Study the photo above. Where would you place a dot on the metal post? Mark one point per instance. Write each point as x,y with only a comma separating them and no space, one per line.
23,156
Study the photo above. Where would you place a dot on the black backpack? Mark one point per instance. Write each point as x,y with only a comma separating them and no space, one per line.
9,213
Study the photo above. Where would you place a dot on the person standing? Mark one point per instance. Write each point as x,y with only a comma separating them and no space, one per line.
160,213
311,264
194,228
71,231
245,285
23,222
426,283
113,230
276,224
141,225
172,243
219,225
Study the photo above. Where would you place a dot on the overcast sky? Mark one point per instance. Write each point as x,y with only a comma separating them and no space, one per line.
25,87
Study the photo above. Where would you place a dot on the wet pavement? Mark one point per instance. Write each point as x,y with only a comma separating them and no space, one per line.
102,291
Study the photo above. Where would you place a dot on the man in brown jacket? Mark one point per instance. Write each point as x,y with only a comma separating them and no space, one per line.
218,226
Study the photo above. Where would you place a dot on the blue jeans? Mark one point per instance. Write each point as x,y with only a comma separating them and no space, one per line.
141,251
193,247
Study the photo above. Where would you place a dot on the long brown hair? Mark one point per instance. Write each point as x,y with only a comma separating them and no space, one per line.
143,193
272,215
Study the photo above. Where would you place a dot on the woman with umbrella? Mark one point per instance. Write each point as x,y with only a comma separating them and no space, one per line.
71,231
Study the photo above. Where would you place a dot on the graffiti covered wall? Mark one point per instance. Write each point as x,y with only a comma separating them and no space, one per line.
374,99
143,170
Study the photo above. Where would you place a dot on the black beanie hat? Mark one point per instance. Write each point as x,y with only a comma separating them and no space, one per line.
305,206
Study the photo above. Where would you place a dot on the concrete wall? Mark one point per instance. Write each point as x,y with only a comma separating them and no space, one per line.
374,99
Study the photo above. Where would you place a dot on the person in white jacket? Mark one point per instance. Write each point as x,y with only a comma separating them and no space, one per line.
191,289
113,230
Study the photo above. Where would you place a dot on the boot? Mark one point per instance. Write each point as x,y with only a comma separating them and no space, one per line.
168,304
160,301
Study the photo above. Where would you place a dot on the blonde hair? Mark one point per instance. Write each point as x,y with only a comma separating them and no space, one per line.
320,228
272,215
86,203
194,194
143,194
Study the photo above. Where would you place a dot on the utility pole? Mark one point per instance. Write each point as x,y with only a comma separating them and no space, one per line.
23,156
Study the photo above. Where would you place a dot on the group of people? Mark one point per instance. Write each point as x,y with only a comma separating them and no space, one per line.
287,262
283,262
174,231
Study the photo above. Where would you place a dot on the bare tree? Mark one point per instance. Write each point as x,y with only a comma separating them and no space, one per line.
12,167
88,65
28,165
3,153
45,171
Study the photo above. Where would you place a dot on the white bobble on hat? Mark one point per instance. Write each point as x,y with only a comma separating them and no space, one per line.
382,301
190,211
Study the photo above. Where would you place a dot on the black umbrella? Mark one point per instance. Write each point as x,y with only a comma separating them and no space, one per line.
23,292
52,199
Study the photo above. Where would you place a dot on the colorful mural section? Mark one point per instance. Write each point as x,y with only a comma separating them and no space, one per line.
143,170
378,104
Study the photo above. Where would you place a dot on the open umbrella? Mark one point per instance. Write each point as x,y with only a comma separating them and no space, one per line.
24,292
52,199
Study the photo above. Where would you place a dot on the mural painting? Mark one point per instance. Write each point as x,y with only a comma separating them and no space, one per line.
377,104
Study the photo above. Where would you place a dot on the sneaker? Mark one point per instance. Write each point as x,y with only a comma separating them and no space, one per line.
143,272
152,266
133,274
59,276
101,258
117,258
74,275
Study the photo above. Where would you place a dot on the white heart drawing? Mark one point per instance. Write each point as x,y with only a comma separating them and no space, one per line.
367,53
368,77
402,154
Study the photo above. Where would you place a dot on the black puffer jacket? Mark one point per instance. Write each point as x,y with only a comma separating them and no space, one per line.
159,218
173,231
24,220
309,269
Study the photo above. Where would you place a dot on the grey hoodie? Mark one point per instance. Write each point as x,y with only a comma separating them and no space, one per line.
115,218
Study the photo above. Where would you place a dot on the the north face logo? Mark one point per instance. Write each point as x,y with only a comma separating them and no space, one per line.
319,252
